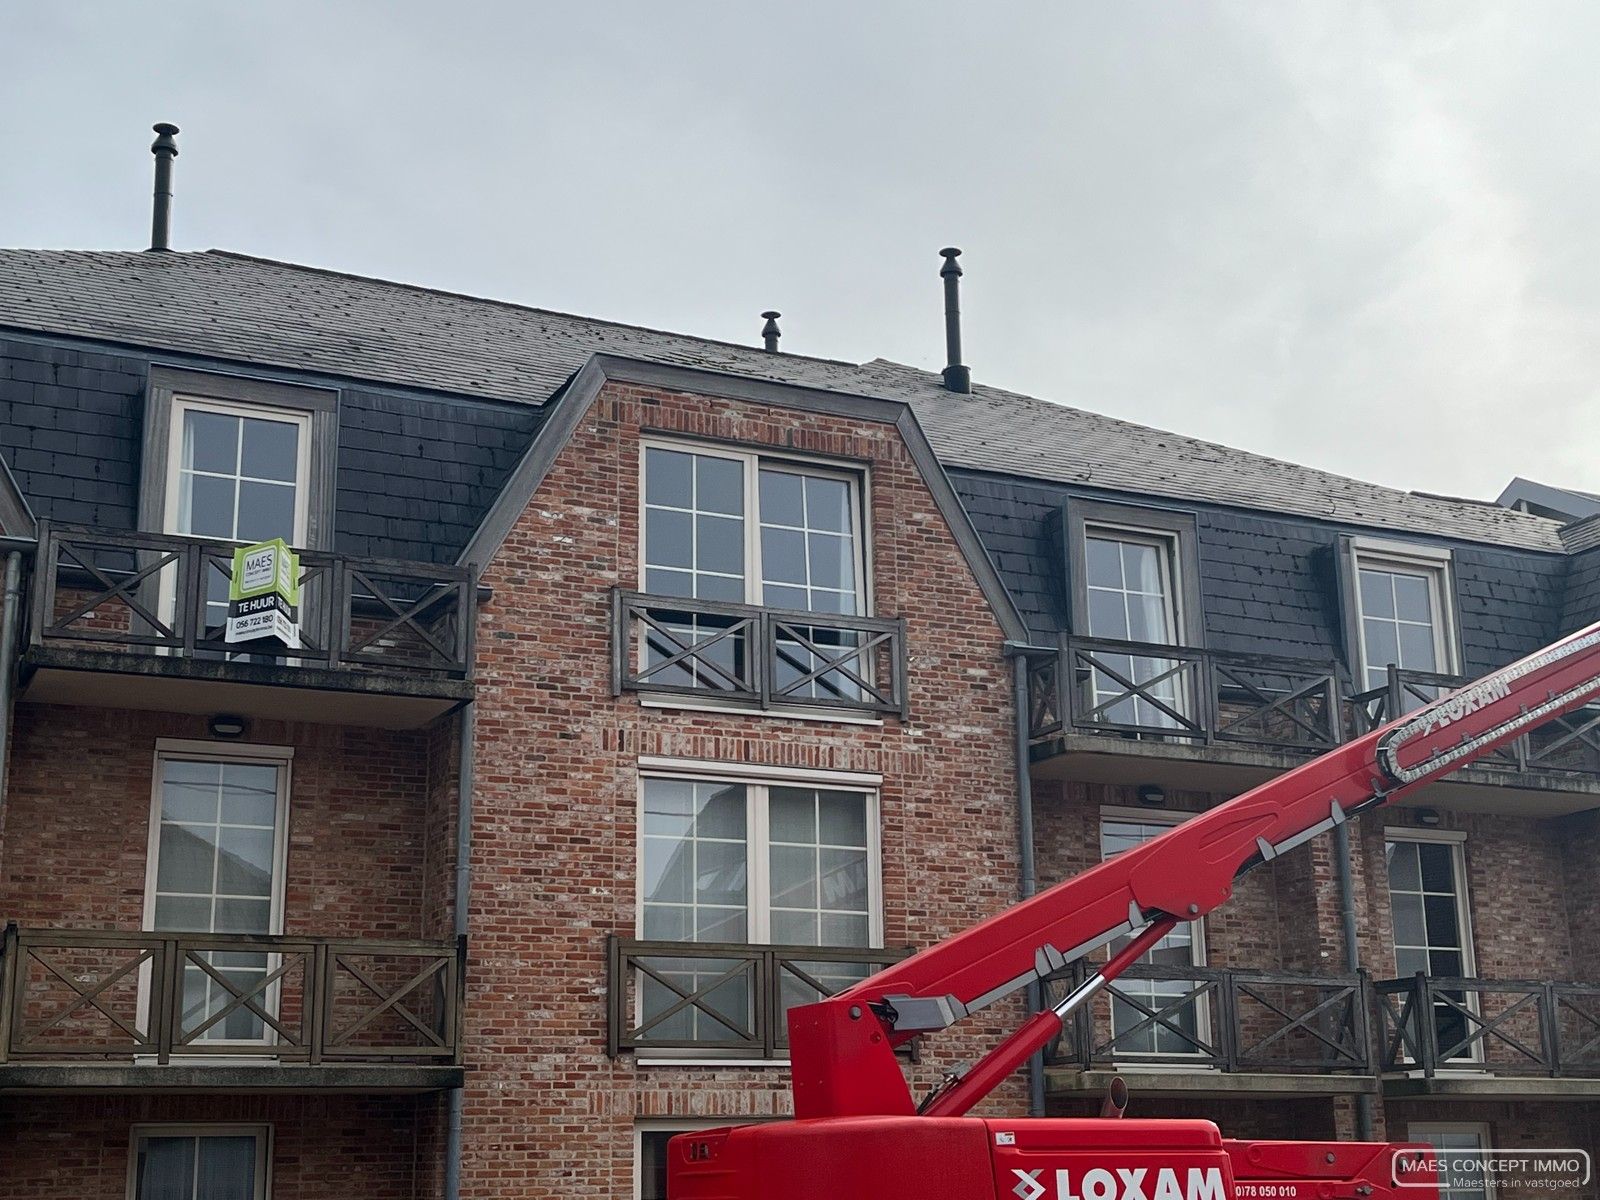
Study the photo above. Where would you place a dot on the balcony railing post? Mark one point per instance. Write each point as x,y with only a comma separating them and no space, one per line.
900,656
1395,699
8,987
166,997
1227,1038
1083,1019
1549,1028
767,1005
339,611
1332,710
318,1003
763,656
1427,1023
1208,699
1360,1021
44,583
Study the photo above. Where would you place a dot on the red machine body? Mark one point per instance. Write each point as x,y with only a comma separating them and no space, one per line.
862,1136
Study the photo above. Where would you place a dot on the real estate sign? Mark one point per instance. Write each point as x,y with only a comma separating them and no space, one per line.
264,595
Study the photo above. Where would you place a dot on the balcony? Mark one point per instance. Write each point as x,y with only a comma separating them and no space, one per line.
111,1011
384,643
1208,1031
708,1000
758,658
1528,1039
1100,710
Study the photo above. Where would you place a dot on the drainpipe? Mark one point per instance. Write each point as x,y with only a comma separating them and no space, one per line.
1352,951
9,618
1027,879
452,1153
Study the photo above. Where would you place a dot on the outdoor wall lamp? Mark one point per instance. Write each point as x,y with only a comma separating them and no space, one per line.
224,725
1151,795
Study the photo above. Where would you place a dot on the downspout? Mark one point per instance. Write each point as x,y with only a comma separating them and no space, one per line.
1027,878
452,1153
1352,952
9,617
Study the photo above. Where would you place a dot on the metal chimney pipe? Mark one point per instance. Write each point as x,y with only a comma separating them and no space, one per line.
165,148
769,331
957,378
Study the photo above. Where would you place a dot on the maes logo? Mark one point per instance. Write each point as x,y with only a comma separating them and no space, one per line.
1124,1183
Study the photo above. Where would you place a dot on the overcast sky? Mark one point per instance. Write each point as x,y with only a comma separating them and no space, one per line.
1362,236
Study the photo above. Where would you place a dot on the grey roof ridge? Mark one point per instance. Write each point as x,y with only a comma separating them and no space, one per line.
449,294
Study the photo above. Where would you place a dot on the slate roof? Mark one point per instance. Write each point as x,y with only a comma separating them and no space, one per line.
231,306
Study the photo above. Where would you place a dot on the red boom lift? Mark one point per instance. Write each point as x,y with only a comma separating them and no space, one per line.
859,1133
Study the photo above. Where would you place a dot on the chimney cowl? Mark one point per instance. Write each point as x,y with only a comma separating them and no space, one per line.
957,378
769,332
165,148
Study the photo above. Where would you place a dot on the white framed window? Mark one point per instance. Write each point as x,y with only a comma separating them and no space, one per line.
216,864
1183,1031
1132,594
1432,922
754,861
723,524
1445,1136
1403,610
199,1162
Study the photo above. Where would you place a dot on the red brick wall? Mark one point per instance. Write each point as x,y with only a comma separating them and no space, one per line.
554,835
77,817
76,1148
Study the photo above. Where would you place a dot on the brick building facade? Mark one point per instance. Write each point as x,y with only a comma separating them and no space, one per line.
652,684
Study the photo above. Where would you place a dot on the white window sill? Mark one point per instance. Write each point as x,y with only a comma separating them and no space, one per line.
790,714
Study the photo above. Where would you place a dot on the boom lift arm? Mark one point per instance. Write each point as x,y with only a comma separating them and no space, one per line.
842,1049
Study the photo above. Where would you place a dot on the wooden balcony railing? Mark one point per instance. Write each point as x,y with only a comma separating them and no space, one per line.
101,996
1504,1027
162,594
1095,685
704,997
765,657
1567,744
1221,1019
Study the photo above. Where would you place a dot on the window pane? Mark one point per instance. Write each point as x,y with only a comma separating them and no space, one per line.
226,1168
243,916
669,807
720,925
1377,594
720,545
249,794
719,485
1403,873
1417,648
653,1164
721,811
669,538
843,883
1381,642
828,504
244,865
1438,867
782,498
210,442
792,815
668,871
670,583
796,598
189,791
669,478
165,1169
271,450
206,506
791,927
794,877
1141,568
1103,562
1442,928
1411,599
666,923
1108,615
1147,619
843,819
721,587
1409,929
720,873
832,561
840,929
266,510
183,914
783,556
187,857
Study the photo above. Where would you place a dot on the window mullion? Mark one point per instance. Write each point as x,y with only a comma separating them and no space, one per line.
758,851
755,580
